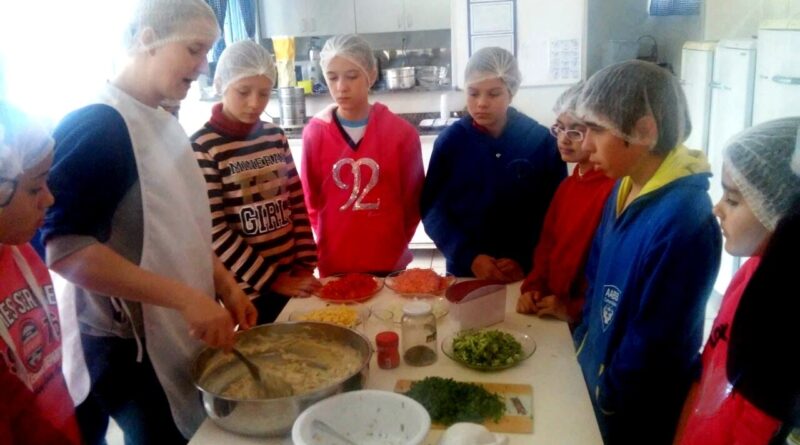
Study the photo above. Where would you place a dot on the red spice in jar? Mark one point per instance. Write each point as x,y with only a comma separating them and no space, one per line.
388,355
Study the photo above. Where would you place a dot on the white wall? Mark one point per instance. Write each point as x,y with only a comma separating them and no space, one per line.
740,18
535,101
628,20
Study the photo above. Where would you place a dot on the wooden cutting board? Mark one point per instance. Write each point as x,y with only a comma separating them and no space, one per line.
519,406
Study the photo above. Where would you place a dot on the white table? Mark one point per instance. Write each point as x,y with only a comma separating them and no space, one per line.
562,410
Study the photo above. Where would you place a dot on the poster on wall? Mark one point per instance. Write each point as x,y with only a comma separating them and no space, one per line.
551,47
565,60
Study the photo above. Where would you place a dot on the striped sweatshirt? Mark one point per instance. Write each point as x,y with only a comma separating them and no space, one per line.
260,222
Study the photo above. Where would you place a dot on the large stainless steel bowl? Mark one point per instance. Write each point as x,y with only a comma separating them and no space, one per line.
431,76
270,417
399,78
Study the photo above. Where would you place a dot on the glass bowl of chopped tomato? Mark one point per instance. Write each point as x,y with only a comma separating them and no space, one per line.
350,287
419,283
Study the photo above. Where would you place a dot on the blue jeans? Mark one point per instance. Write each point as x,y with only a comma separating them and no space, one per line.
127,391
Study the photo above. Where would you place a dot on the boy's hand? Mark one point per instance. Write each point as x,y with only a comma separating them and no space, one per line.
553,306
208,321
511,269
526,304
485,267
296,284
242,310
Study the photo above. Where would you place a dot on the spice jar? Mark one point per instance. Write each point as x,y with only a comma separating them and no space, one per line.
419,334
388,355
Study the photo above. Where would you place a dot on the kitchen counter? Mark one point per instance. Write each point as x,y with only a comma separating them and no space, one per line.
562,410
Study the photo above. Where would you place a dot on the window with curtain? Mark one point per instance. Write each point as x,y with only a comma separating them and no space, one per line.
237,20
674,7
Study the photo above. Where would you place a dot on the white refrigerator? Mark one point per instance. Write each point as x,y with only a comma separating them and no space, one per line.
731,112
697,62
777,92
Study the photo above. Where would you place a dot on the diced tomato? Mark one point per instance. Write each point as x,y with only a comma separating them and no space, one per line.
352,286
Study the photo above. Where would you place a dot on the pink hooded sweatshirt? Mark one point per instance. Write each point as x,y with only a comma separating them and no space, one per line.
363,202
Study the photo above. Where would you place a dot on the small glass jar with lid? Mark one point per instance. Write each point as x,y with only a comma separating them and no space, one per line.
419,334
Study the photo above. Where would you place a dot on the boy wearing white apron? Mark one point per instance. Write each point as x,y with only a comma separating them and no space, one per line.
132,234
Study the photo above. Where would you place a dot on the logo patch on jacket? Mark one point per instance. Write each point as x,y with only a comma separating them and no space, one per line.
611,295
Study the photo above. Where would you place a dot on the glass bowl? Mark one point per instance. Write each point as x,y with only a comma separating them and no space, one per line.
348,315
392,311
334,294
426,286
528,346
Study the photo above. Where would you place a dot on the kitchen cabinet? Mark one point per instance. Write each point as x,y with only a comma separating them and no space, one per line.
301,18
423,15
401,15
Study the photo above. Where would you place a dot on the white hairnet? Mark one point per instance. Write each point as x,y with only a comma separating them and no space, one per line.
568,101
170,21
23,144
617,96
759,162
243,59
493,63
353,48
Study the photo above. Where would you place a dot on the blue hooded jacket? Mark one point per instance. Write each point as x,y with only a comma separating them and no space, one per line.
489,196
650,270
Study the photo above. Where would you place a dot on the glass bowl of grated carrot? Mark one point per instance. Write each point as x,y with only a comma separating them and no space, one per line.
419,283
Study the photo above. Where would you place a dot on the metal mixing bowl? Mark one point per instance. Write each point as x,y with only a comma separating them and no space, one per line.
399,78
270,417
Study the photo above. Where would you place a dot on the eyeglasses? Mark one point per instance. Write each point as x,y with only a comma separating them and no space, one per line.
572,135
7,187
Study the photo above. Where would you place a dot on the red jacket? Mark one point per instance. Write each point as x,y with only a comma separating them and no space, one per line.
36,407
719,414
566,237
364,223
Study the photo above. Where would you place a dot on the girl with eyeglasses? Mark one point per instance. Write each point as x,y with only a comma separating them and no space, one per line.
37,406
556,285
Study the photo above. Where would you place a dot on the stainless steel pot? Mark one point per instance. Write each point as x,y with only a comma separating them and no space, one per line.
270,417
430,76
293,106
399,78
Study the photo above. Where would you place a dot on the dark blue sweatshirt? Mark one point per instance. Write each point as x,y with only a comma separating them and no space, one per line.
489,196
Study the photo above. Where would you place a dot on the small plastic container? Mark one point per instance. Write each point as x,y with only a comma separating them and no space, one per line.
387,343
477,303
419,334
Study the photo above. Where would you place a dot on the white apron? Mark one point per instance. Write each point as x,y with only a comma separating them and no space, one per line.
177,244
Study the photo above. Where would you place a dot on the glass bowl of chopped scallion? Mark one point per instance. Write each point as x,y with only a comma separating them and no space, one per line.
488,349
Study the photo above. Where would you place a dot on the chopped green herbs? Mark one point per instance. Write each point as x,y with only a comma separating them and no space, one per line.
487,349
449,401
